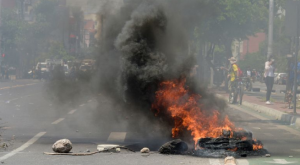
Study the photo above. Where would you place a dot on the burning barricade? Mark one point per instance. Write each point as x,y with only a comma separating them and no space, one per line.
214,134
233,143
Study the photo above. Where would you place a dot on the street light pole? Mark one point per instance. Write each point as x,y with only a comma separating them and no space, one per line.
270,34
1,31
296,62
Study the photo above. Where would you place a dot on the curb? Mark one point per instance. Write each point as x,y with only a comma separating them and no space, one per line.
278,115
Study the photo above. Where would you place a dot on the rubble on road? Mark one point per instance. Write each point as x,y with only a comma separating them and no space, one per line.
229,160
174,147
230,143
145,150
107,147
62,146
110,148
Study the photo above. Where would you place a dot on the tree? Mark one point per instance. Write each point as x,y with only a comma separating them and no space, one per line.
253,61
236,19
11,33
57,51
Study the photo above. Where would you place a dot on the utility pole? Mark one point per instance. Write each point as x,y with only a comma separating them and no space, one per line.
296,62
22,9
0,30
270,35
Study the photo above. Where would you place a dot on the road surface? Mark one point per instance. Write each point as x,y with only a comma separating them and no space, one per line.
31,123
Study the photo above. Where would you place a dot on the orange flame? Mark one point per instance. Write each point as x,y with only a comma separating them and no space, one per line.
234,149
257,146
187,112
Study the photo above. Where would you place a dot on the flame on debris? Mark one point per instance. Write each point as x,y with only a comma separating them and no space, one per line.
187,112
234,149
257,146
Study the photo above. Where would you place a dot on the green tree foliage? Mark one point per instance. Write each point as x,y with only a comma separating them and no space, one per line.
281,47
253,61
25,43
233,19
12,29
237,19
57,51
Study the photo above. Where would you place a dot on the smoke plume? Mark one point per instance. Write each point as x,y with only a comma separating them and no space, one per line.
143,44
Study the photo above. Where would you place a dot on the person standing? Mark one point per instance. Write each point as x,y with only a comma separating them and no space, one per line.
269,78
253,75
233,74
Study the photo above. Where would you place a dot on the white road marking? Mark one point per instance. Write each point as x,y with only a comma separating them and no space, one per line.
73,111
82,105
242,162
16,86
57,121
215,162
12,100
280,161
268,134
117,137
31,84
27,95
24,146
255,127
281,141
297,150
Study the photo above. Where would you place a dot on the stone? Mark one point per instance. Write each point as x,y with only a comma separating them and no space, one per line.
145,150
118,149
268,155
229,160
62,146
88,150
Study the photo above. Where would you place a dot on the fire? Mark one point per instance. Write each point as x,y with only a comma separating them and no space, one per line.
234,149
187,112
257,146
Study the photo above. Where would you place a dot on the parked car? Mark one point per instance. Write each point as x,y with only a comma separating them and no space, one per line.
66,70
280,78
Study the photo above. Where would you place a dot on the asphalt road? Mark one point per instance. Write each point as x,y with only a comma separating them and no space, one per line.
276,96
31,123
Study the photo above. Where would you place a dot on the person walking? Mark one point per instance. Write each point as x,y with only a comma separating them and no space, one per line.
269,78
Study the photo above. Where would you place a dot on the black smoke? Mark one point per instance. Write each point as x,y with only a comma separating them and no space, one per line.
142,44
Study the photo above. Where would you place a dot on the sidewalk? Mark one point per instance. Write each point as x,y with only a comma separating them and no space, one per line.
278,110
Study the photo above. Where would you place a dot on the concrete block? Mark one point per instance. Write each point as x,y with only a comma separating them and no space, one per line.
103,147
229,160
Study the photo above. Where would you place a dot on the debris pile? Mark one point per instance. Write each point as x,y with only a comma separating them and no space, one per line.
174,147
233,143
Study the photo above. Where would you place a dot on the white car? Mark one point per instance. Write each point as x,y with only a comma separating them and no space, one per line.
66,69
280,78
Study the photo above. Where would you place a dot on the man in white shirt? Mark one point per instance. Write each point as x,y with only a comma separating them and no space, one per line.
269,75
249,79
